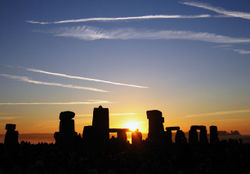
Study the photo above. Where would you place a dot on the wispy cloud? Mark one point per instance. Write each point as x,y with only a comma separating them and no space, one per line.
3,118
28,80
219,10
230,48
92,33
241,51
104,19
89,102
219,113
82,78
226,46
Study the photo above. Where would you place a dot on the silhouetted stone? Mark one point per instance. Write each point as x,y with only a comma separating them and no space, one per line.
213,135
88,135
66,115
193,135
156,131
174,128
136,138
67,124
10,127
168,137
100,124
203,135
168,134
66,135
180,137
121,135
11,136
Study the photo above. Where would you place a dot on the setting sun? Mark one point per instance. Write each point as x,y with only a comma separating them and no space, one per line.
132,125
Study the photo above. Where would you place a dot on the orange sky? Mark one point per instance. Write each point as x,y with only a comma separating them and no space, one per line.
45,122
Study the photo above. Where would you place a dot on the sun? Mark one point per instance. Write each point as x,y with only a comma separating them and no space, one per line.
132,125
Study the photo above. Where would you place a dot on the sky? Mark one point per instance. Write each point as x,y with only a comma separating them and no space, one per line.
188,59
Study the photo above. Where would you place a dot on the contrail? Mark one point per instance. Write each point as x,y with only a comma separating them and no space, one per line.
219,10
26,79
104,19
82,78
90,102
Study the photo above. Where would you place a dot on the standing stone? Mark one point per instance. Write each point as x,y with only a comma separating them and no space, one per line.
193,135
203,135
100,124
122,136
156,130
88,134
11,136
136,137
180,137
214,135
66,135
168,134
67,124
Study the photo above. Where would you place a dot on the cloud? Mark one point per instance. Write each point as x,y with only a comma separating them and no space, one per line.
241,51
89,102
219,10
26,79
82,78
92,33
219,113
223,46
104,19
230,47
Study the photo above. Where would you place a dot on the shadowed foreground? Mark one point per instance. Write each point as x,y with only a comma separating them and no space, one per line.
230,157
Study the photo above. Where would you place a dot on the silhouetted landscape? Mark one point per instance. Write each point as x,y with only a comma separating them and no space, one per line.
96,152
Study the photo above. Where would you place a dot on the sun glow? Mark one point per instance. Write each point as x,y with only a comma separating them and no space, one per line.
132,125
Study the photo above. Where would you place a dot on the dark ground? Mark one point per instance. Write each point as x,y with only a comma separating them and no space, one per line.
226,157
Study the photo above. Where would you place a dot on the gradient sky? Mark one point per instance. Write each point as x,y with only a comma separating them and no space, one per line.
188,59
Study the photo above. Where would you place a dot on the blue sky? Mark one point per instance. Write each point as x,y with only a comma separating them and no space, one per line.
189,59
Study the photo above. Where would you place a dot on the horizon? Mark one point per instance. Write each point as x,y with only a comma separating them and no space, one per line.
188,59
35,138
